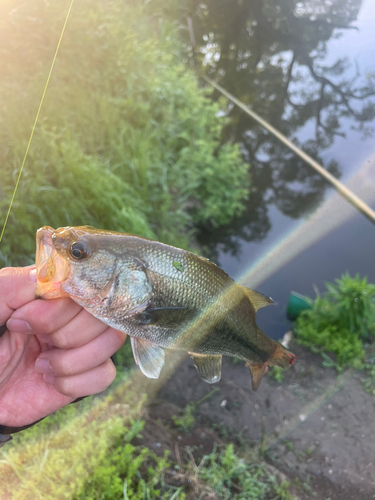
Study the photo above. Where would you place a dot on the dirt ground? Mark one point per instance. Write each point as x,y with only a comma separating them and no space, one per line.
314,425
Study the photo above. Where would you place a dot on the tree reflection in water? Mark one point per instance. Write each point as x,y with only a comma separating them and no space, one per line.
274,56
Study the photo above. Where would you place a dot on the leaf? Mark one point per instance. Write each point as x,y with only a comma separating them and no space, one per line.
178,266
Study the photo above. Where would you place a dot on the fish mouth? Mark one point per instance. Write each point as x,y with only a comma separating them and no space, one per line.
51,268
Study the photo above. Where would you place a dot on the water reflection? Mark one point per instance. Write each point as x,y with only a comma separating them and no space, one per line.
274,56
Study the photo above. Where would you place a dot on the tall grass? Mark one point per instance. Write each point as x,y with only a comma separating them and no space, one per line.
127,140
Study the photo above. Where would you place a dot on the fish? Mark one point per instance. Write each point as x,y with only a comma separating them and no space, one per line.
163,297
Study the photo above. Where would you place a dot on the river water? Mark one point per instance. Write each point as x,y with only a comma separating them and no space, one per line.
307,68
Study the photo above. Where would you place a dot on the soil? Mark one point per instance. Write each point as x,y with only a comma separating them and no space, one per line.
313,427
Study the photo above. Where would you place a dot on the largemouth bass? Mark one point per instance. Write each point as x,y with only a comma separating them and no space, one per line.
161,296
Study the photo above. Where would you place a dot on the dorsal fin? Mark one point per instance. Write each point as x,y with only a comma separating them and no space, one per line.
258,299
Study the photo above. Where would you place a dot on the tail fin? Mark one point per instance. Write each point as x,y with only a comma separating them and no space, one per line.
282,357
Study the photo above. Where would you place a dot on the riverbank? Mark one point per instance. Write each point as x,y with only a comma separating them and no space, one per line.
314,427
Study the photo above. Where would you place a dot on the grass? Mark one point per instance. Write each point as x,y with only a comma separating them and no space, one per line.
340,322
276,373
127,139
54,461
86,451
57,457
128,471
186,420
368,381
135,472
232,477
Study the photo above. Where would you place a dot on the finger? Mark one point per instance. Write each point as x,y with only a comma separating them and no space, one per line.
79,331
17,286
43,316
84,384
65,362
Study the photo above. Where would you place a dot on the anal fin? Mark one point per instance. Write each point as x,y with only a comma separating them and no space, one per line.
208,366
149,357
257,372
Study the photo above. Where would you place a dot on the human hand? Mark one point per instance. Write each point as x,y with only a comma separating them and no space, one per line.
52,352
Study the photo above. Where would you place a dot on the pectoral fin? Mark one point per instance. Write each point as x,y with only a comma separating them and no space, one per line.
257,372
148,356
208,366
165,317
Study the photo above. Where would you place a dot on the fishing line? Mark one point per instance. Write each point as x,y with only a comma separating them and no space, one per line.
36,120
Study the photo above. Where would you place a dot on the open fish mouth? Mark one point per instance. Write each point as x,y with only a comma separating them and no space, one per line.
51,268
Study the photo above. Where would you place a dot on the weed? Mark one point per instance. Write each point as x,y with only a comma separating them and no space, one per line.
369,381
186,421
232,477
354,300
124,356
339,321
304,486
282,491
289,445
276,373
127,470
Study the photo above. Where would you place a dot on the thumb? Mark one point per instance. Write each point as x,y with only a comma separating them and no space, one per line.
17,288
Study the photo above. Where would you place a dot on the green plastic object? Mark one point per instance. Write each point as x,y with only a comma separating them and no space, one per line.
296,304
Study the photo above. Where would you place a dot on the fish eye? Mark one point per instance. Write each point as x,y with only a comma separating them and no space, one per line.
78,251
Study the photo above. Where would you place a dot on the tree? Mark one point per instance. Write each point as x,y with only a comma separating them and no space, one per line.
272,55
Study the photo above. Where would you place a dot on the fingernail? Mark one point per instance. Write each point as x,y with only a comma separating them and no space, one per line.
42,365
49,379
18,325
33,275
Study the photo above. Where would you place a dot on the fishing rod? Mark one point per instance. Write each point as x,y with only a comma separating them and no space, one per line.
351,197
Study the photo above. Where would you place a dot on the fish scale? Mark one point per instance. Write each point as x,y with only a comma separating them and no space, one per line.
162,296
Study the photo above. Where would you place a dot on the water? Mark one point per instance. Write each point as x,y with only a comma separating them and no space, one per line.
299,69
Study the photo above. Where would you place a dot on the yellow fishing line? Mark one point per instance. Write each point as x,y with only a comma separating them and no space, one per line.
36,119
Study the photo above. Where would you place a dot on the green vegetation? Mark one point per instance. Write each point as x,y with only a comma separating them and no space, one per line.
87,451
234,478
124,357
186,420
369,380
55,459
289,445
129,472
276,373
339,322
135,472
127,140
